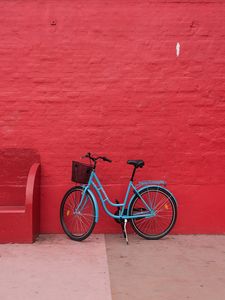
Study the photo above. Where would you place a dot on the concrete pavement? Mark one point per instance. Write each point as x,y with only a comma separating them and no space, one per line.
175,267
55,268
104,267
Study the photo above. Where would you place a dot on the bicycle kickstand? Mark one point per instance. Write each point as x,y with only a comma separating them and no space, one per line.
125,230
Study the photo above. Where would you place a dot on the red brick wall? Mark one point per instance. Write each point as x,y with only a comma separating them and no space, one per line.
103,76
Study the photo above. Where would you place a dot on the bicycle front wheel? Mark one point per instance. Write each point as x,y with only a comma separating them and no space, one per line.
163,204
78,221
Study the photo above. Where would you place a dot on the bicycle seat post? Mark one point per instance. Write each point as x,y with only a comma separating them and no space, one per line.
132,177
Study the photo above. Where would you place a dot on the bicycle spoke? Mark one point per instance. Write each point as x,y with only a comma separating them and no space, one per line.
160,205
84,220
88,215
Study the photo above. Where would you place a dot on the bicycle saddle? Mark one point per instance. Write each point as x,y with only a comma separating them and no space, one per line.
137,163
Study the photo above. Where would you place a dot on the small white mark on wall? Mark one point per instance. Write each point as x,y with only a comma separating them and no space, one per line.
178,49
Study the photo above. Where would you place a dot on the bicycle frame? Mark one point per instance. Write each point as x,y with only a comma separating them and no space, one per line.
97,186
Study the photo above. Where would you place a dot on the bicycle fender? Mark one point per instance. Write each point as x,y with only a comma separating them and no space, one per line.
154,186
95,204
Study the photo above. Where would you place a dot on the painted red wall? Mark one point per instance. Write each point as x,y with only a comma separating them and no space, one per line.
103,76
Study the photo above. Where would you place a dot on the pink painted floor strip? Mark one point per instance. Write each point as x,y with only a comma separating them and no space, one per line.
55,268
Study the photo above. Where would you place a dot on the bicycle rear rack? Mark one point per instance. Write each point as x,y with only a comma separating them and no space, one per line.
150,182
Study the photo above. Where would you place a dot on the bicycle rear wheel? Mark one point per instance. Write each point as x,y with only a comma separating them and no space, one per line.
162,202
77,224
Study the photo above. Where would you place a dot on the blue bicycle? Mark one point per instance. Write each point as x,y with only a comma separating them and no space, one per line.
151,208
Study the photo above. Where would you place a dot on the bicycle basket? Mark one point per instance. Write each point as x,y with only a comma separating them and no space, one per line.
81,172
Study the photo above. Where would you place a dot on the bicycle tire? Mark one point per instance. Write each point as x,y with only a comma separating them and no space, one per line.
167,208
68,216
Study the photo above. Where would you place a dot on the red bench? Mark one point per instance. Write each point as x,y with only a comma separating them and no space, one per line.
19,195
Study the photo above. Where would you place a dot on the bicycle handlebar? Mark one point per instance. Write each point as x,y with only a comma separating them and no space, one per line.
106,159
88,155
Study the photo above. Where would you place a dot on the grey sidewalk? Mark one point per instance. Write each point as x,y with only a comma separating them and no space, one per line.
55,268
176,267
